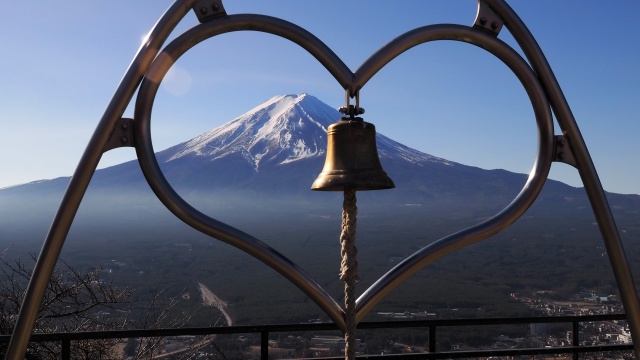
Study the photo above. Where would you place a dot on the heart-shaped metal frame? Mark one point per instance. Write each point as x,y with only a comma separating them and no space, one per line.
151,65
352,82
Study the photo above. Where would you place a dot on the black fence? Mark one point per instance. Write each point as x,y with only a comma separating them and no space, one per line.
575,350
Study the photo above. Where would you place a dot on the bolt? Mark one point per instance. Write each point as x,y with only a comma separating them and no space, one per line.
124,139
561,156
494,25
124,126
562,142
483,21
203,10
216,7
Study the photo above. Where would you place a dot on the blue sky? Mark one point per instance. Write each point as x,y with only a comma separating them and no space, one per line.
62,62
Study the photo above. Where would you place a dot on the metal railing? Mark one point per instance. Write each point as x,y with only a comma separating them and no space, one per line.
432,326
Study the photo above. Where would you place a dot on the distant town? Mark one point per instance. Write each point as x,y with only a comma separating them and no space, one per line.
587,302
538,335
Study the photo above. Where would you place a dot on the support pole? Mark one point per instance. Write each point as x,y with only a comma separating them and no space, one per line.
584,164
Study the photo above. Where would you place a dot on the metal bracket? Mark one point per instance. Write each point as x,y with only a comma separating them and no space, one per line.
563,151
349,109
122,135
208,9
487,20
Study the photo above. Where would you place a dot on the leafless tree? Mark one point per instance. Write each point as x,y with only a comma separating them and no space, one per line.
158,314
74,301
78,301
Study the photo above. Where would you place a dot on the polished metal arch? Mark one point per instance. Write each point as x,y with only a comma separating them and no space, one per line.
537,79
179,207
522,201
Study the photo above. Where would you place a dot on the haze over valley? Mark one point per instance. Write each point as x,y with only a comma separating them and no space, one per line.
255,172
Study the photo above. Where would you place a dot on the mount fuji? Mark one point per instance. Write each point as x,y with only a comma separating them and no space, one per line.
278,146
277,149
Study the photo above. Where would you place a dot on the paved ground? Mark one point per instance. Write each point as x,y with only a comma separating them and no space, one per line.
210,299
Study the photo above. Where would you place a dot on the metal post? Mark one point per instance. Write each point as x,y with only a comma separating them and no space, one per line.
82,175
264,344
585,166
575,337
65,354
432,339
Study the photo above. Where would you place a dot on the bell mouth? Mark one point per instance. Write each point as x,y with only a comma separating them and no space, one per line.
352,160
360,179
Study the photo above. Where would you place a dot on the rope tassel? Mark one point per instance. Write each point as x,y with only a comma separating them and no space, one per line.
349,269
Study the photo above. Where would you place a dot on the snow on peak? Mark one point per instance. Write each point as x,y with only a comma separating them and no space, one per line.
284,129
392,149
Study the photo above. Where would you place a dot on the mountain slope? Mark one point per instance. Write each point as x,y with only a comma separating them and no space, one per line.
278,131
279,145
255,173
277,150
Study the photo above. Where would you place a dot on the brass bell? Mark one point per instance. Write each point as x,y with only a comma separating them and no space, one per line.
352,158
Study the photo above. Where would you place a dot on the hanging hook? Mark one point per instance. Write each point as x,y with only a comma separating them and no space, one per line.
351,110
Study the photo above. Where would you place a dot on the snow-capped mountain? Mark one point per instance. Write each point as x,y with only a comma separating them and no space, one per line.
278,149
278,145
284,129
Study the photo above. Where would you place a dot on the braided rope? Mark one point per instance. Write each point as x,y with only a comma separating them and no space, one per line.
349,269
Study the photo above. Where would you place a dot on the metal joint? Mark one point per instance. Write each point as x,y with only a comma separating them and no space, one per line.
122,135
563,151
487,20
351,110
208,9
